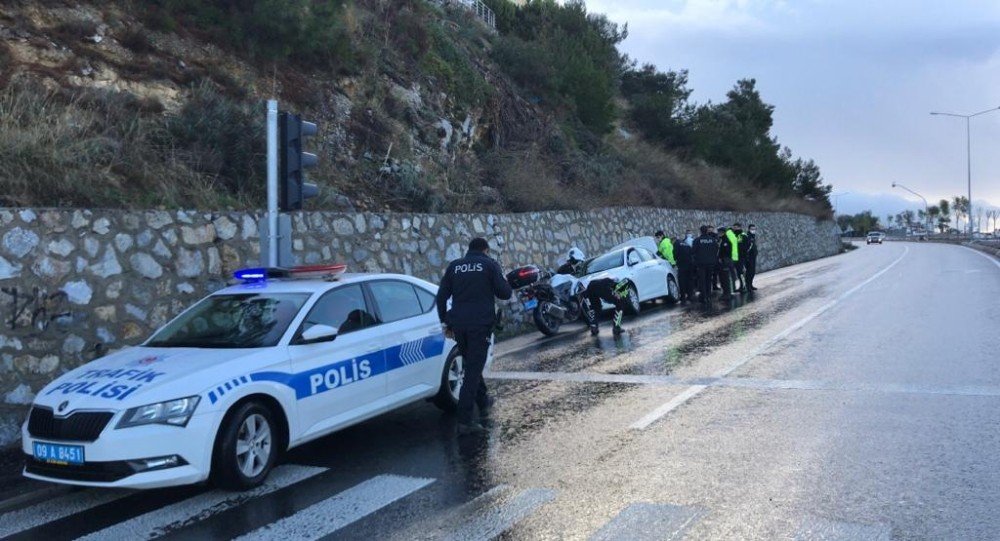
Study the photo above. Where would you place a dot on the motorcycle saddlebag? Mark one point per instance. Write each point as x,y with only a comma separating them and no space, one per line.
523,276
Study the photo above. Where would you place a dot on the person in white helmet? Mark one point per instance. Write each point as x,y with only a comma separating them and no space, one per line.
574,259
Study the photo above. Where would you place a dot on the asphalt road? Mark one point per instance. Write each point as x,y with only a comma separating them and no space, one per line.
854,397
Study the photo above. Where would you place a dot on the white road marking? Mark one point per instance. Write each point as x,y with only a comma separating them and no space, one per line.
991,259
30,517
694,390
331,514
200,507
649,522
489,520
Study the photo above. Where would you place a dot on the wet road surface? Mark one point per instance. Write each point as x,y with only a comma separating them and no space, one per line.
854,397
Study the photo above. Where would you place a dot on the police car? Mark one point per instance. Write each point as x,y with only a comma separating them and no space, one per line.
284,357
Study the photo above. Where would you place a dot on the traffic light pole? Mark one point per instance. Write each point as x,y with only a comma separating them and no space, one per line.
272,183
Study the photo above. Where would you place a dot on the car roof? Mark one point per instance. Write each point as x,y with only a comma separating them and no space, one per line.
314,285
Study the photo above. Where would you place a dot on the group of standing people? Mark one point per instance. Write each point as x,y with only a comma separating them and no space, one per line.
724,258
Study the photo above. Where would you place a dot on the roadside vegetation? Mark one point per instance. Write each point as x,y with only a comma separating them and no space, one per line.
561,118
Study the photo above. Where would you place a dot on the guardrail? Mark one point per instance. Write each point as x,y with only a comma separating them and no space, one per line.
481,10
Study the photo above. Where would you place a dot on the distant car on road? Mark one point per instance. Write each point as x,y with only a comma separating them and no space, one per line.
875,237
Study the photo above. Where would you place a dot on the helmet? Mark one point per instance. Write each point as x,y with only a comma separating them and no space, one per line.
575,254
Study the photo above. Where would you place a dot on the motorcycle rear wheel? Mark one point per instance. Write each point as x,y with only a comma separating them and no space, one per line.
547,324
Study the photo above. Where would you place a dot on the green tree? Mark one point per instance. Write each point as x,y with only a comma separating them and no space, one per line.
660,108
944,215
808,183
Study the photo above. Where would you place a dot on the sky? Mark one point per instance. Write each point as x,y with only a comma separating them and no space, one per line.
853,82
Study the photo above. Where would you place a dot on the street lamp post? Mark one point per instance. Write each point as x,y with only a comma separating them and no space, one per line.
927,216
834,197
968,151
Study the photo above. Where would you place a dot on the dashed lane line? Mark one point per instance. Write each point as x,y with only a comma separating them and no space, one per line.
197,508
695,390
335,512
650,522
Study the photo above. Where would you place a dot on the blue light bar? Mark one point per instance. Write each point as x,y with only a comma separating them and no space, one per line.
259,274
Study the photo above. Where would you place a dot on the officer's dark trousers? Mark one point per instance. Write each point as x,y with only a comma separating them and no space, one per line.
705,278
751,269
684,279
602,290
726,272
739,274
473,344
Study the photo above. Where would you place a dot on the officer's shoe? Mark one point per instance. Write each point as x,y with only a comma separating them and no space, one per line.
593,330
471,429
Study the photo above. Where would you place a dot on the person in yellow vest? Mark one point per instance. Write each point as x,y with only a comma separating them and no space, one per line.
665,247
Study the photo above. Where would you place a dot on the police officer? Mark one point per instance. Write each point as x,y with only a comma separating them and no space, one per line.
611,292
727,257
741,250
664,247
574,262
751,258
684,255
706,257
472,283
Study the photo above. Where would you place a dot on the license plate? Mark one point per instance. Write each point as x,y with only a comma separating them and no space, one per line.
54,453
530,305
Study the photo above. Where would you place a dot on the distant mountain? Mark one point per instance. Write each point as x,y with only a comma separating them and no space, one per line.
882,204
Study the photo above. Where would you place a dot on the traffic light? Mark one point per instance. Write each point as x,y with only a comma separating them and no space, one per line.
293,162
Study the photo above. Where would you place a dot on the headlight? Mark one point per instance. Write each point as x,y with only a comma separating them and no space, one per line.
172,412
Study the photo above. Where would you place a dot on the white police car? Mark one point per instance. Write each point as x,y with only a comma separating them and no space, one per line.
246,373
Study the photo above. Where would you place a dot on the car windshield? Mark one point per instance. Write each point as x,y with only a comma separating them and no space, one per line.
246,320
604,262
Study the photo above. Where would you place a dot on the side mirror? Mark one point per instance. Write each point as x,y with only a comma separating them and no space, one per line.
317,334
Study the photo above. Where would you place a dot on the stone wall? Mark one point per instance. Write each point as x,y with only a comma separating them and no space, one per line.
75,283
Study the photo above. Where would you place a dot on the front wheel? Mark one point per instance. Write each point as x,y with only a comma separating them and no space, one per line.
451,382
547,324
633,305
673,292
247,447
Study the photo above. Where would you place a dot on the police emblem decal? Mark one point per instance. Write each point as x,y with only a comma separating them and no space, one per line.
62,407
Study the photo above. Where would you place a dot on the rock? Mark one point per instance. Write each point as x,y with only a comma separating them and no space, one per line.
135,312
10,343
106,313
18,242
21,395
408,96
145,265
343,227
143,239
48,267
230,259
33,365
158,218
101,226
185,287
8,269
298,245
27,216
225,228
196,236
161,250
78,292
73,344
107,266
249,228
131,331
80,219
214,261
61,247
360,255
114,290
184,217
477,226
105,335
189,263
91,246
123,242
359,223
170,236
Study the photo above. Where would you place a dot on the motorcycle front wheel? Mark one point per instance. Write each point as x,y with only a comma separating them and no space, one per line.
547,324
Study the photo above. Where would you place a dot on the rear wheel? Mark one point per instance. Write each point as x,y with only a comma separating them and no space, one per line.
451,382
246,448
547,324
632,306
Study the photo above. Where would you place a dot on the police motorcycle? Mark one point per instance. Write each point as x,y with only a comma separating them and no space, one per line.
552,297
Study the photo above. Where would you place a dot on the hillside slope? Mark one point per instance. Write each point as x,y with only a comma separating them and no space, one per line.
421,106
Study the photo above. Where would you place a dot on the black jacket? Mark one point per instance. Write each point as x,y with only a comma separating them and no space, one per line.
706,250
471,283
751,244
683,254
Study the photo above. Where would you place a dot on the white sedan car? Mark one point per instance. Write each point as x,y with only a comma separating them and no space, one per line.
649,277
243,375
